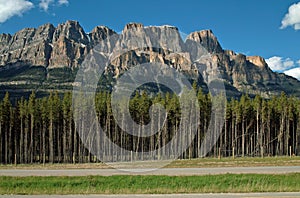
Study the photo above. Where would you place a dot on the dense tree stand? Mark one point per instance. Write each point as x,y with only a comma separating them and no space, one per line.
42,130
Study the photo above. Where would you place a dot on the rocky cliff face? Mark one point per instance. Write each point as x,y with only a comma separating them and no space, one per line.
63,48
207,39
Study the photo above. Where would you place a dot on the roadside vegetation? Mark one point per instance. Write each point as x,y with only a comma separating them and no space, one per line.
180,163
150,184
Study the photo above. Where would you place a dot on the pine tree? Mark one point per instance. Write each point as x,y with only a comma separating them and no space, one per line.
6,111
32,112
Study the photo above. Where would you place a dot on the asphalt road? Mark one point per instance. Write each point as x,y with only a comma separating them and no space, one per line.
225,195
163,171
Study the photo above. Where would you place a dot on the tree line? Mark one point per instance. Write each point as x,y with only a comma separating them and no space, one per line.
42,130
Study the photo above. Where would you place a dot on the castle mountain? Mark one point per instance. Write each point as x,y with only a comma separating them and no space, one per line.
48,57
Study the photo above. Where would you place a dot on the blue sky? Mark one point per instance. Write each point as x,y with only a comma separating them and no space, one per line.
268,28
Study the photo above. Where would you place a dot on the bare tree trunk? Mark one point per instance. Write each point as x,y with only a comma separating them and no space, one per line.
31,138
287,135
1,143
51,143
10,145
26,141
21,143
70,140
44,142
280,136
59,142
243,137
65,147
75,147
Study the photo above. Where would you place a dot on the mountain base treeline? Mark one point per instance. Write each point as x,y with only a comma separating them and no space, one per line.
42,130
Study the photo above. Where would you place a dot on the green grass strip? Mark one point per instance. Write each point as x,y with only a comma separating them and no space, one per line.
150,184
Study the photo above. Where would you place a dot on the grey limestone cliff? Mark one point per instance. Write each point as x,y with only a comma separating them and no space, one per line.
65,47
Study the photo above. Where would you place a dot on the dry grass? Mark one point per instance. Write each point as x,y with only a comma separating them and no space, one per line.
237,162
193,163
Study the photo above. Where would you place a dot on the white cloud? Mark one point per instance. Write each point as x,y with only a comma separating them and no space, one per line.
295,72
44,4
277,63
10,8
292,18
63,2
298,62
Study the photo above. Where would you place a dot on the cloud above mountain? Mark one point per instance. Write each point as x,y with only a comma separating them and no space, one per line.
44,4
292,18
10,8
63,2
295,72
277,63
285,65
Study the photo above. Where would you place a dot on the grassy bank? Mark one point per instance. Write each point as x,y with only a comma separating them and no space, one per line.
237,162
150,184
193,163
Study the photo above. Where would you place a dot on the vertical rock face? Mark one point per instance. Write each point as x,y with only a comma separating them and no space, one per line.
29,45
63,46
139,44
102,37
130,26
207,39
4,40
4,47
72,31
67,45
100,33
257,60
166,37
43,39
70,45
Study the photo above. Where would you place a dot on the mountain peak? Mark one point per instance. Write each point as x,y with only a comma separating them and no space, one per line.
207,39
133,25
257,60
71,30
71,22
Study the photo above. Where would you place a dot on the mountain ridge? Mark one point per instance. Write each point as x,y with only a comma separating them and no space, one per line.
53,54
